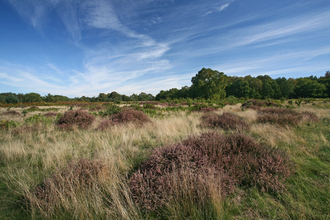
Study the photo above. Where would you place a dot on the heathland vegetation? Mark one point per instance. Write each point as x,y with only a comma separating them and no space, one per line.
217,155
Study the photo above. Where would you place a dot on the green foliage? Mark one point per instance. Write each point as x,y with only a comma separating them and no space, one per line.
309,88
5,124
32,97
38,118
209,83
12,98
110,110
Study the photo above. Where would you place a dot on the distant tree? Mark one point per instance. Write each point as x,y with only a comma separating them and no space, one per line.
102,97
2,99
267,90
286,86
125,98
12,98
49,98
327,74
239,88
255,85
32,97
208,83
307,87
134,97
114,97
276,89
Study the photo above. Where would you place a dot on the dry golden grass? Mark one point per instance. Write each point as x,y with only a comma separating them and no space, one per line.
30,157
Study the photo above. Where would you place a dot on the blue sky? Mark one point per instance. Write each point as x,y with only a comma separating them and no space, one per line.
83,47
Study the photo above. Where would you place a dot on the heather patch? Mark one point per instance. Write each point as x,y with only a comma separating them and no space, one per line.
284,116
79,118
227,121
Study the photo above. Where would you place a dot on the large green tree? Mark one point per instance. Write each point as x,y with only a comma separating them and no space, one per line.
208,84
307,87
32,97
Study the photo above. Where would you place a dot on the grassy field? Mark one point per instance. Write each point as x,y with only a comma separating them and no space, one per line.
33,150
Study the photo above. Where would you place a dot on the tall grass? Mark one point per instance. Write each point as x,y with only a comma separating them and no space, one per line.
29,157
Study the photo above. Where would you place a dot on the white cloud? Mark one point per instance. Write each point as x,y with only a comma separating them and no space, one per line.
222,7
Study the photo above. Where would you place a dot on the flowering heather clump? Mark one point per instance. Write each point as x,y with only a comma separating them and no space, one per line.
50,114
284,116
106,124
310,116
208,109
130,116
201,163
80,118
125,116
77,175
11,112
226,121
176,171
257,104
244,160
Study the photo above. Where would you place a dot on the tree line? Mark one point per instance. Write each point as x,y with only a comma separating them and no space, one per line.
206,84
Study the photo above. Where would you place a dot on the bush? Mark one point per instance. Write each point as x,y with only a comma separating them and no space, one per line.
110,110
176,171
50,114
80,118
225,121
38,118
11,112
125,116
6,124
244,160
209,163
77,175
284,116
257,104
131,116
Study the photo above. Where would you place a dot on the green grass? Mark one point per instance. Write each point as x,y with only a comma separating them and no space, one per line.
307,194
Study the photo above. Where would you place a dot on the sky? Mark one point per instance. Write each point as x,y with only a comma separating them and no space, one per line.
82,47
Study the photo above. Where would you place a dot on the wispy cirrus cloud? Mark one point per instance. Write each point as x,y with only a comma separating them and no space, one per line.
222,7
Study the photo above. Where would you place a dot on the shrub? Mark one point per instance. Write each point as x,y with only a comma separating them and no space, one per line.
208,109
77,175
198,107
244,160
257,104
125,116
284,116
38,118
131,116
173,172
110,110
11,112
50,114
226,121
80,118
6,124
208,163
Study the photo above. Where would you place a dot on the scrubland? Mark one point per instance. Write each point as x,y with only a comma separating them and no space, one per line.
256,162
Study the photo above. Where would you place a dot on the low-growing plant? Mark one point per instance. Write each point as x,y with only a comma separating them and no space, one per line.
50,114
11,112
6,124
257,104
173,172
131,116
246,161
76,176
38,118
284,116
225,121
79,118
110,110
